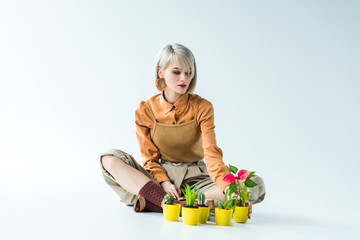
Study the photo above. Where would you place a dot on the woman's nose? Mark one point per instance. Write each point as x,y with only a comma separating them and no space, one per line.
182,77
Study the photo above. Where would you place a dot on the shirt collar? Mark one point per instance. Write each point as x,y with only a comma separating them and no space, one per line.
180,104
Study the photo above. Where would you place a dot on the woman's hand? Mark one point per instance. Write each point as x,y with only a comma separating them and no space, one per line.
171,188
249,204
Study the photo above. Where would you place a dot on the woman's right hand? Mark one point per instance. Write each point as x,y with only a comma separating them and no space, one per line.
171,188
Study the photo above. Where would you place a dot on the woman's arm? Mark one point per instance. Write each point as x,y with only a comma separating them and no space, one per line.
149,152
213,154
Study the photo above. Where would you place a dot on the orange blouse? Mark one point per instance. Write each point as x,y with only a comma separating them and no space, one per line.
177,113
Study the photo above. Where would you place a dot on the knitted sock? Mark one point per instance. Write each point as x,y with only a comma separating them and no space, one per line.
153,195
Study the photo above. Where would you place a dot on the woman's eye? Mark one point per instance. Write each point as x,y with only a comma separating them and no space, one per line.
187,73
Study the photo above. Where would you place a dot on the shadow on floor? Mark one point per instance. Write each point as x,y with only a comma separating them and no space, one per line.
287,219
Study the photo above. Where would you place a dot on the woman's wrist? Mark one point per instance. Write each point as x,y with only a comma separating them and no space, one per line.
165,185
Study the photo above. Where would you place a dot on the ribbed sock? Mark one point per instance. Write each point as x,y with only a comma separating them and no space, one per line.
153,195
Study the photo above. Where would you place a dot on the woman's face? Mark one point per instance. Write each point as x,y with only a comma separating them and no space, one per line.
177,78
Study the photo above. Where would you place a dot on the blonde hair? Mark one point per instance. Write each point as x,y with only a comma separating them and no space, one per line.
178,53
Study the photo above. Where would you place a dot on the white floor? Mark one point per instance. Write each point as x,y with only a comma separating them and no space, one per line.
84,210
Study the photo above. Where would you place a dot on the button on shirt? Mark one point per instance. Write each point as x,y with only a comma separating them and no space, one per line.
183,110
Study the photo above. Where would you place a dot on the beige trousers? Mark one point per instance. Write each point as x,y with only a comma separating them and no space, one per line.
194,174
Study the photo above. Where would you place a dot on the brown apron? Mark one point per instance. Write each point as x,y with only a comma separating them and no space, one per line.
181,152
181,143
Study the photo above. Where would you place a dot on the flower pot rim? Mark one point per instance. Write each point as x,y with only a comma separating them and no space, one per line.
174,204
203,206
190,207
223,209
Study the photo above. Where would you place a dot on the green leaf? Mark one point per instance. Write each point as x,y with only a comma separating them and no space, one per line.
232,188
242,185
250,174
190,195
219,200
183,191
250,183
230,203
233,204
233,169
187,193
244,197
220,203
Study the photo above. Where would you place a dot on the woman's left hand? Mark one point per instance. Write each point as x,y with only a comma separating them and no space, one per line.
249,204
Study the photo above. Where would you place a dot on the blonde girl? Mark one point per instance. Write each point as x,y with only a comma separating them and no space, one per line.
176,134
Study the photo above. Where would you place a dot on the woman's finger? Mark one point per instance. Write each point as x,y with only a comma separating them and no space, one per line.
171,190
176,192
249,204
179,191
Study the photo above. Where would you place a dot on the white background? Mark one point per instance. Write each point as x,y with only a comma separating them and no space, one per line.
283,77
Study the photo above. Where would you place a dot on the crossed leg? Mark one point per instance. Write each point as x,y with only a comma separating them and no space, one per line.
126,176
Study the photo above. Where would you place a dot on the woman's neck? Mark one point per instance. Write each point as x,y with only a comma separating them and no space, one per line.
171,97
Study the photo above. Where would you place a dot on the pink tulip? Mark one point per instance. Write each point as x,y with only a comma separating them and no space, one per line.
230,178
243,174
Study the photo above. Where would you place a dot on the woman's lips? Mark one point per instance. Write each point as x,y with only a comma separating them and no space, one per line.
182,86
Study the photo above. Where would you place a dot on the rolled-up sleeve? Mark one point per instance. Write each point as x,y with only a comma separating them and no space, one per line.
149,152
213,154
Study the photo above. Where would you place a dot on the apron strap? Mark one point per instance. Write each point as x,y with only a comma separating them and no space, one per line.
150,111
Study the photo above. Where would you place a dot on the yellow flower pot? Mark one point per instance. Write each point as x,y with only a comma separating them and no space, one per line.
190,216
241,214
171,211
223,216
203,214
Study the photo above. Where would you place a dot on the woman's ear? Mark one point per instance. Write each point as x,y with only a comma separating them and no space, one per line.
160,72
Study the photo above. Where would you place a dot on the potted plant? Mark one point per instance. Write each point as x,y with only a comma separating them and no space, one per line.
171,210
240,182
203,209
190,213
224,210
